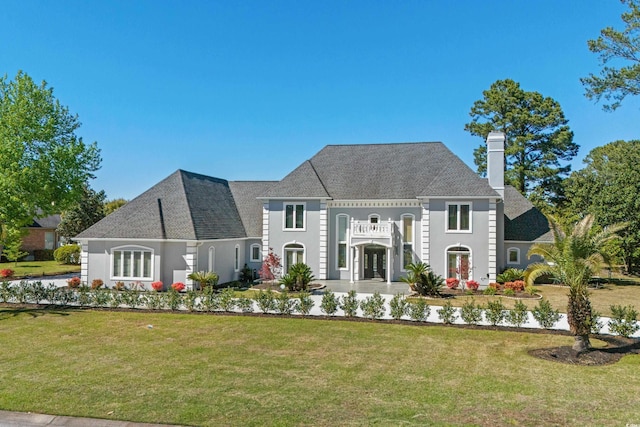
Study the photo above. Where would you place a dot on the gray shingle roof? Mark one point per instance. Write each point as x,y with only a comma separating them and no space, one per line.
245,194
523,221
51,221
185,206
383,171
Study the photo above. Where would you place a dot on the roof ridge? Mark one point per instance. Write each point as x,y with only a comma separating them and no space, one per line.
385,143
186,198
318,176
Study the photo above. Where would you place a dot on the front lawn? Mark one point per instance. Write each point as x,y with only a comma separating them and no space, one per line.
39,268
236,370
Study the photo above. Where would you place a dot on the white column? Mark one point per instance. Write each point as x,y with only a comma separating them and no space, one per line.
493,245
424,226
265,229
389,264
191,259
84,262
322,274
356,264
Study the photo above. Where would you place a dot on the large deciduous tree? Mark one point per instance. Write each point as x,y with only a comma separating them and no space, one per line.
83,214
537,142
111,206
577,253
619,53
608,187
44,164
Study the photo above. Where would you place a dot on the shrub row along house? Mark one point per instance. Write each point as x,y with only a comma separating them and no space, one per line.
351,212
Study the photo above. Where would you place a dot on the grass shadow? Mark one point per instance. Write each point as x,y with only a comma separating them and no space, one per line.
7,313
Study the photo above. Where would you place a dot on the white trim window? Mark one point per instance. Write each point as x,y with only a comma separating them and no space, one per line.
459,216
513,256
131,263
236,259
408,238
294,216
256,256
293,254
342,258
374,218
212,258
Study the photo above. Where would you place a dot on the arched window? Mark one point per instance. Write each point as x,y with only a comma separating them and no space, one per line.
342,225
459,263
293,254
212,258
374,218
131,263
408,238
513,256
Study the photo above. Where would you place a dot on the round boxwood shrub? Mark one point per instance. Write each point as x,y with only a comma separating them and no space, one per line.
67,254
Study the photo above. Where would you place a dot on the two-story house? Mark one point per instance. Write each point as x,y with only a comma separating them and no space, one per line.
351,212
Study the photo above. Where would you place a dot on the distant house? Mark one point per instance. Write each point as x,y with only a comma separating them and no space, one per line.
42,235
351,212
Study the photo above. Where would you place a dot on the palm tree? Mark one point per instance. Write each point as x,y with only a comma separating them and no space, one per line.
577,254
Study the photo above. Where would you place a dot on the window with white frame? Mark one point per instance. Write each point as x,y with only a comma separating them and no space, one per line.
407,240
294,216
513,256
341,240
255,253
212,258
236,259
293,254
374,219
459,216
132,263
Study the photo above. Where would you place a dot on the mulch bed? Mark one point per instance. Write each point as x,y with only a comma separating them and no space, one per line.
276,287
615,349
451,293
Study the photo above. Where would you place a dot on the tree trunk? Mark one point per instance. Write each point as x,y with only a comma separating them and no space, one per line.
581,343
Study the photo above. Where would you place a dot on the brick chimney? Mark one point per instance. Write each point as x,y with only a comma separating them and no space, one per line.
495,161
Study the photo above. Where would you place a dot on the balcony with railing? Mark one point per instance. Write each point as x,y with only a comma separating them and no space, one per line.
381,232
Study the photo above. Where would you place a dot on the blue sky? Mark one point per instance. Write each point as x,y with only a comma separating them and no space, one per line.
247,90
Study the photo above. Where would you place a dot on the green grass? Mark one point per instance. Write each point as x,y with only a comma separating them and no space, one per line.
39,268
254,371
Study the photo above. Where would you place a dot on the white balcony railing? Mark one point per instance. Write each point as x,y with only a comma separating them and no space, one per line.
371,230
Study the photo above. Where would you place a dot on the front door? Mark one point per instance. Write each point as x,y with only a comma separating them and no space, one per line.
375,261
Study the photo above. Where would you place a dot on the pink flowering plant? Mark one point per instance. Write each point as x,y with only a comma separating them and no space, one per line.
74,282
157,286
473,285
178,286
5,273
452,283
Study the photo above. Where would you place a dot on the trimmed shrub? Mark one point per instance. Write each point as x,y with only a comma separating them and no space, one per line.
490,291
226,299
178,286
191,300
419,310
96,284
545,315
452,283
596,324
74,282
373,307
329,304
67,254
399,306
157,286
43,255
623,320
266,301
495,312
472,285
284,304
470,313
6,273
245,304
304,303
349,304
516,285
173,299
210,301
447,313
519,315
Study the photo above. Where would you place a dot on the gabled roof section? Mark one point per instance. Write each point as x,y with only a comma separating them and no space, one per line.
183,206
383,171
50,221
245,194
302,182
523,221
